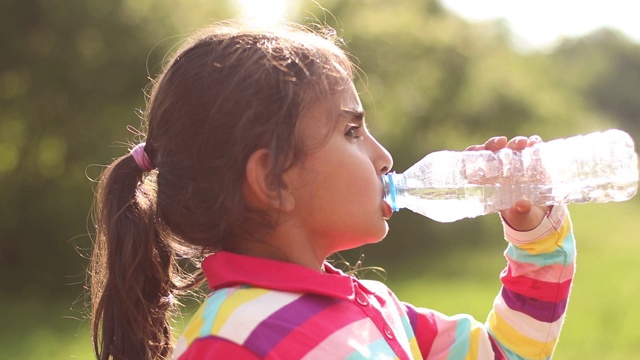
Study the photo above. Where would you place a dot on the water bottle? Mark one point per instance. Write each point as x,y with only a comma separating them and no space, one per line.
450,185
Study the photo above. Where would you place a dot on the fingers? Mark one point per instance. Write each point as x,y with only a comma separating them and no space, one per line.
534,139
517,143
474,148
499,142
493,144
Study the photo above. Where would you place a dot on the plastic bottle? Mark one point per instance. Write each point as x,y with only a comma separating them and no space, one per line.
447,185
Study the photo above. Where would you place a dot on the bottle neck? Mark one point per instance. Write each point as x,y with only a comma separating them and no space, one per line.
390,183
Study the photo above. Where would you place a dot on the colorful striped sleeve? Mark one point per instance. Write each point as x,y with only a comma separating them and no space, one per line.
450,337
528,312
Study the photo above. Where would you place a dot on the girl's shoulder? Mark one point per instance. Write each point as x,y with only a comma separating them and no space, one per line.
257,318
235,313
237,305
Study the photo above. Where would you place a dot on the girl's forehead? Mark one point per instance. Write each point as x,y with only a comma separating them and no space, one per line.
325,113
345,98
335,105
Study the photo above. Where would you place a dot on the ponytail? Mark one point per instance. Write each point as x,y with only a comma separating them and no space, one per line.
201,129
132,268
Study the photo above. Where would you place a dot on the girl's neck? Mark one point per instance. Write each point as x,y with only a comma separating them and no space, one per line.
279,251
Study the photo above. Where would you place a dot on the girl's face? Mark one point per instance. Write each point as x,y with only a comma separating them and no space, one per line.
337,188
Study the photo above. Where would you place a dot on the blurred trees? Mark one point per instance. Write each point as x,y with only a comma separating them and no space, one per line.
72,75
604,67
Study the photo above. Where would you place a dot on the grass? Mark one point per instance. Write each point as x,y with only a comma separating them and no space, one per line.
602,317
603,313
34,328
601,322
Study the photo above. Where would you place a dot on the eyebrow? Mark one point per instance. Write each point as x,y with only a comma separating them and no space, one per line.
354,114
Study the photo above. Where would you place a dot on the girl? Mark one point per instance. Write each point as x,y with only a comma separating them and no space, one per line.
257,160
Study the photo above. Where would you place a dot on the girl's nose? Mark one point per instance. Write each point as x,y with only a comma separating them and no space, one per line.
381,158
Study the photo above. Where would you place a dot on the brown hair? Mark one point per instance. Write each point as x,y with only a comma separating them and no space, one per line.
230,91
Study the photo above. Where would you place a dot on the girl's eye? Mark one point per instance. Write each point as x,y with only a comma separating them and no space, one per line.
354,132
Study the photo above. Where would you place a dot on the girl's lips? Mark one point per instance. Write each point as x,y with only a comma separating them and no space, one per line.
387,212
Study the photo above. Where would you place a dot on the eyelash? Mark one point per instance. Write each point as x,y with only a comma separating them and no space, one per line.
354,132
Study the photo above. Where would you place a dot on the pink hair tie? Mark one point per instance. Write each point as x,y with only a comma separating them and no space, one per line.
141,158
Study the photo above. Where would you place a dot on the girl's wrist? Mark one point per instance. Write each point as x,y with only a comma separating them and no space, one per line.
551,222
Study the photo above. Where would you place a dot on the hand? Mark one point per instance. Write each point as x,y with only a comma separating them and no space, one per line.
522,216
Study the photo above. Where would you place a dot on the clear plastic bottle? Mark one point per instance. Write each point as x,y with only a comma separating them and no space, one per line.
450,185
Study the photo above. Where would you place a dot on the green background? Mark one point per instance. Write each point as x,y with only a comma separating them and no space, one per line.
73,75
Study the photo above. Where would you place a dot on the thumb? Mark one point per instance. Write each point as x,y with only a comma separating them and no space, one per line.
523,216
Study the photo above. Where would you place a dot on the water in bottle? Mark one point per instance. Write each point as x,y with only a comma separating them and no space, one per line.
447,185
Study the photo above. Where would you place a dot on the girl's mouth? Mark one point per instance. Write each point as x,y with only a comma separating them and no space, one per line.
387,212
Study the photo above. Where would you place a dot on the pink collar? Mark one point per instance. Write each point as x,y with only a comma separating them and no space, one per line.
226,269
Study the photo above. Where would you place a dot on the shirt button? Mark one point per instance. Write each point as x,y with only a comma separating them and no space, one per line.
388,333
362,299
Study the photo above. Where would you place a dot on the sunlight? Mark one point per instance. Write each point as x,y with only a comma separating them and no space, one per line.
263,12
542,23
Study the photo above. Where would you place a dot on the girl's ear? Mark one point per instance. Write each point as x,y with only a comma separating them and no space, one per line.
259,189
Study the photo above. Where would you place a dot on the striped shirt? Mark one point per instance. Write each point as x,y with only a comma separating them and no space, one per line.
266,309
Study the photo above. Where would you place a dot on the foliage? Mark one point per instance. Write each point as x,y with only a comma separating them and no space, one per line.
604,67
73,76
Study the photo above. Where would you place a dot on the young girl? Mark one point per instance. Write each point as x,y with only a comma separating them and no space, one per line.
257,160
